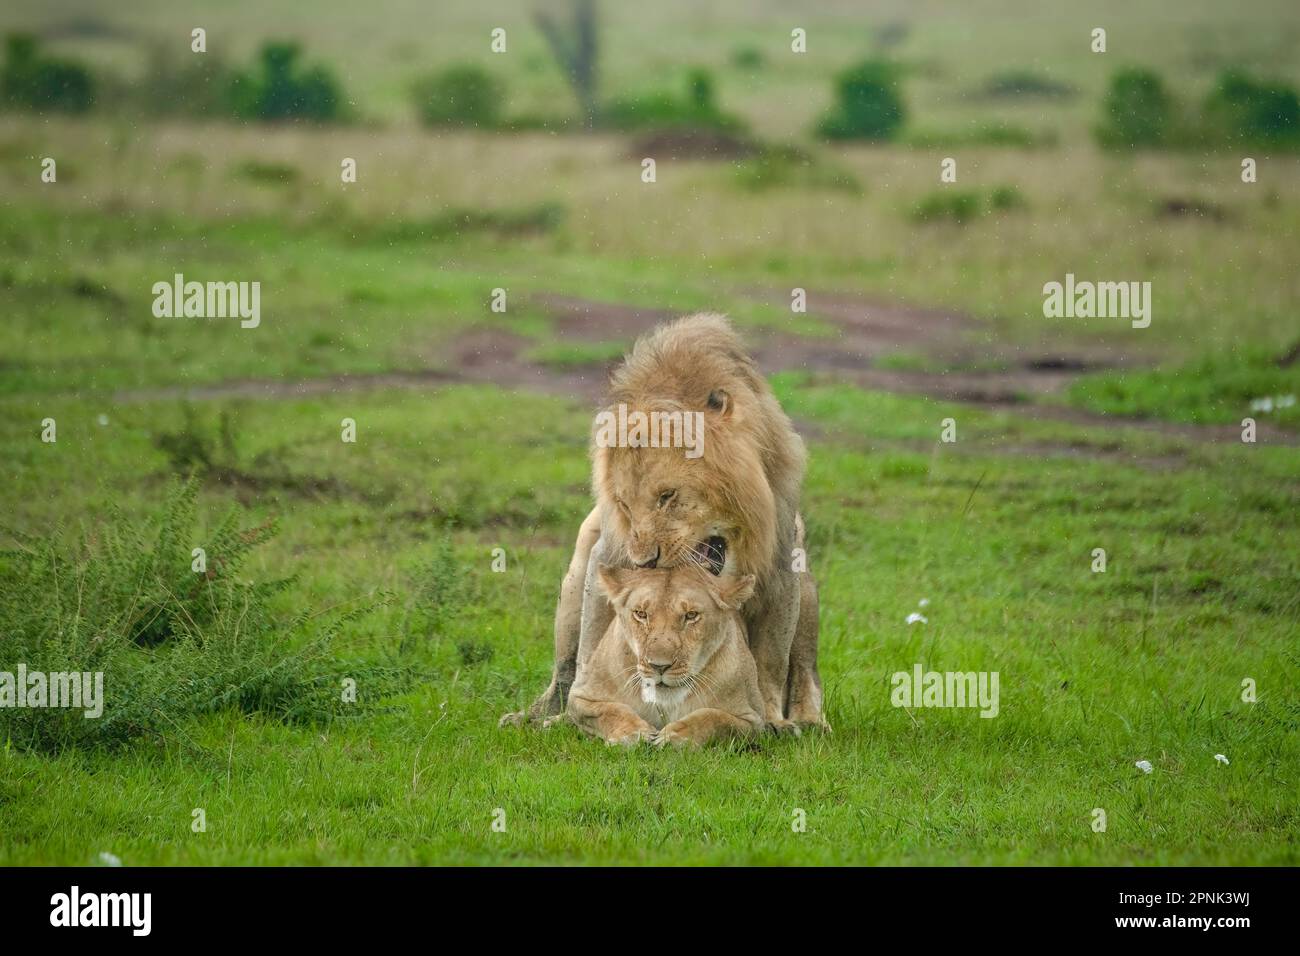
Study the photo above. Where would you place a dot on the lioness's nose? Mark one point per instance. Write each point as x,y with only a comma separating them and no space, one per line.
652,562
660,668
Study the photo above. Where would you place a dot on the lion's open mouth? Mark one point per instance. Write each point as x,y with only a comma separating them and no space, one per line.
712,553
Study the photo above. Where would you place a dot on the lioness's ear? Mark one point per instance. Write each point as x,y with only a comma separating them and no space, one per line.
612,583
732,593
720,402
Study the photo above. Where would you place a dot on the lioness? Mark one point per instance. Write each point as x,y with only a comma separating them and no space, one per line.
674,666
733,509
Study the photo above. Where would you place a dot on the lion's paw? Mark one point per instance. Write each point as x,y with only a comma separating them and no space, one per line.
784,728
676,734
629,739
817,724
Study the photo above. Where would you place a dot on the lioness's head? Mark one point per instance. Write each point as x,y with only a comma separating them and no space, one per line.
674,620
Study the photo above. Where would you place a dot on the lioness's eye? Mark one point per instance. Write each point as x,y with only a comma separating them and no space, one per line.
667,496
692,616
639,614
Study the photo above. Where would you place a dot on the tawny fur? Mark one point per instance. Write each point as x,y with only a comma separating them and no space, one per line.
753,462
711,688
744,488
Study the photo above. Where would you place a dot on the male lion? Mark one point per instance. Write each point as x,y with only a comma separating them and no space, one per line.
735,508
674,666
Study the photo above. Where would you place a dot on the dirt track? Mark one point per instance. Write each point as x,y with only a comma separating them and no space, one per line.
866,332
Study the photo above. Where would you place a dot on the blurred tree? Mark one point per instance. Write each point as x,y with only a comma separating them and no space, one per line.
1137,110
1241,108
281,91
576,49
32,81
867,103
699,84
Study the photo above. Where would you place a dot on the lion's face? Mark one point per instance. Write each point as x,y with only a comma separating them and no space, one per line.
667,515
673,619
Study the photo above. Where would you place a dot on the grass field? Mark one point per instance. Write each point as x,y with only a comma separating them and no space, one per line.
1072,435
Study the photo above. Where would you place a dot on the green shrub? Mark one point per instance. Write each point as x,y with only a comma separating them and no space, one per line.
1137,110
965,205
995,133
748,58
31,81
459,96
1016,84
265,173
463,222
788,167
868,104
280,90
1004,198
1244,109
699,88
953,205
170,642
661,110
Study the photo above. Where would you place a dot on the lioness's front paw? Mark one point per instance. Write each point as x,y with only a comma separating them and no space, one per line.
784,728
629,733
629,739
819,724
678,734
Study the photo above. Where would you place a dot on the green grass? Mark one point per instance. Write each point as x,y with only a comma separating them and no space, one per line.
1097,670
1219,388
569,354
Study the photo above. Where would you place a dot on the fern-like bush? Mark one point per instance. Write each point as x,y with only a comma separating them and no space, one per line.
171,642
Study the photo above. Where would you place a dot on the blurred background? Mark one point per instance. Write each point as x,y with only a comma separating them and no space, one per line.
521,170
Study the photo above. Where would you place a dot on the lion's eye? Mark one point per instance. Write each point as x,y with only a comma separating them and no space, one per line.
667,496
639,614
692,616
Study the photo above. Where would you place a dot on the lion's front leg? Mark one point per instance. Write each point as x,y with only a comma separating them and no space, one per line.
804,697
707,723
771,635
596,613
613,722
569,616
